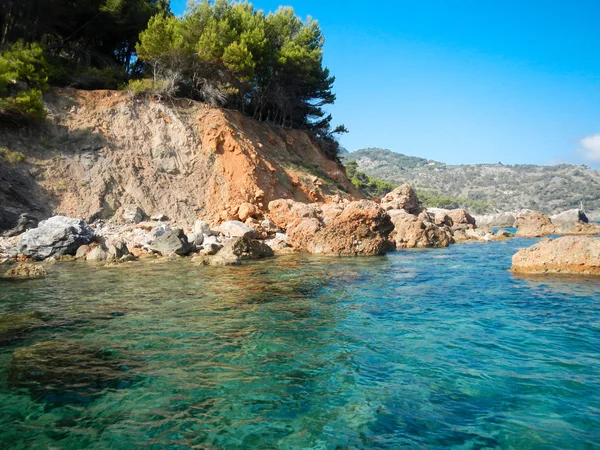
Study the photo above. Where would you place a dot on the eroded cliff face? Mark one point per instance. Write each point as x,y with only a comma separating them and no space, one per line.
101,152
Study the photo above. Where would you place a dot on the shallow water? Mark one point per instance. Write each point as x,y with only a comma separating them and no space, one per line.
417,349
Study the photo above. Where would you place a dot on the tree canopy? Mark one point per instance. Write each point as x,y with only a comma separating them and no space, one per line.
229,53
224,52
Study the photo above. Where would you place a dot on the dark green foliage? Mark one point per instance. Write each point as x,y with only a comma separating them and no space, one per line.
89,43
429,199
370,187
269,67
23,77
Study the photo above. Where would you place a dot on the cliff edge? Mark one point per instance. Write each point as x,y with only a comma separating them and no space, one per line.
100,153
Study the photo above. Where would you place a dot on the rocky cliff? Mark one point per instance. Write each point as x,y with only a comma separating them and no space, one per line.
101,152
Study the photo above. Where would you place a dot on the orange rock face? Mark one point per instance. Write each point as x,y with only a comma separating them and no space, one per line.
403,197
184,161
411,231
534,224
569,255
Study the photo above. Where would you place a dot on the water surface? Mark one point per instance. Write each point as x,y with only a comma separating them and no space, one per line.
417,349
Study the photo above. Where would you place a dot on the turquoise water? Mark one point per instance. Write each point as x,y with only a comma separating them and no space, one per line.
418,349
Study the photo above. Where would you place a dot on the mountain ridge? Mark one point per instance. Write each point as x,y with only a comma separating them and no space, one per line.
505,187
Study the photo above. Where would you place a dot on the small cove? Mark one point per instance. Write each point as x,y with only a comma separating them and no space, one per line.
420,349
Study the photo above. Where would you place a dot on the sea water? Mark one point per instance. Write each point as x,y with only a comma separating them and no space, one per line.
441,348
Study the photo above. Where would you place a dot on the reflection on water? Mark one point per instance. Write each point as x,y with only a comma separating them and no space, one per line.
424,349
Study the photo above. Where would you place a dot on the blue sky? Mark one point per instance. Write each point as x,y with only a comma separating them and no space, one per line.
464,81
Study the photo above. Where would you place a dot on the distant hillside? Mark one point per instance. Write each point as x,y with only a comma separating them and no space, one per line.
504,187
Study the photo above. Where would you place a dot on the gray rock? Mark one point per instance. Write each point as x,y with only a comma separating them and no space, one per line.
244,249
56,236
97,254
198,239
201,227
24,223
270,227
235,229
210,249
172,242
567,220
133,214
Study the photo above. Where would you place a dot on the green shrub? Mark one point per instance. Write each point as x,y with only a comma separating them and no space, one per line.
23,77
147,86
368,186
10,156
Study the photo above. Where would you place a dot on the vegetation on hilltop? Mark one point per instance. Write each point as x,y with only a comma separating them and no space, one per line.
227,53
368,186
550,189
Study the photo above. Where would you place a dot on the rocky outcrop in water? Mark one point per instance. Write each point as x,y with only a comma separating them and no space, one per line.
411,231
56,236
403,197
569,255
342,229
534,224
26,272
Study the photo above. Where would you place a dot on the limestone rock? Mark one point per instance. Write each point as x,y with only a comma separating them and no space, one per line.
235,228
25,271
133,214
413,232
361,229
248,211
172,242
569,254
284,212
534,224
403,197
55,237
97,254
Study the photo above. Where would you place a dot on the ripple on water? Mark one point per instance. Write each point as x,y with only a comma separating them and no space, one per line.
421,349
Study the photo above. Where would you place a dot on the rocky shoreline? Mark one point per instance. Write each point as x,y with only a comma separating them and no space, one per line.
335,228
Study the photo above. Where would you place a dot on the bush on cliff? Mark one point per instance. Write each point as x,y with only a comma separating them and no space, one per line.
369,186
23,76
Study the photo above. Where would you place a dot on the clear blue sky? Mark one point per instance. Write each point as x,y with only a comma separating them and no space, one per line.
464,81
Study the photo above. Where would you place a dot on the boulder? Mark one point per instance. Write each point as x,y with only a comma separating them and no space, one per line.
403,197
55,237
248,211
574,221
83,251
460,217
534,224
24,222
411,231
15,326
235,228
301,233
284,212
569,254
503,235
439,216
240,249
500,220
269,227
25,271
133,214
362,228
97,254
171,242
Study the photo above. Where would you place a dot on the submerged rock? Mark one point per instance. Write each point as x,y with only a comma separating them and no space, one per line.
68,371
25,271
15,326
570,254
55,237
